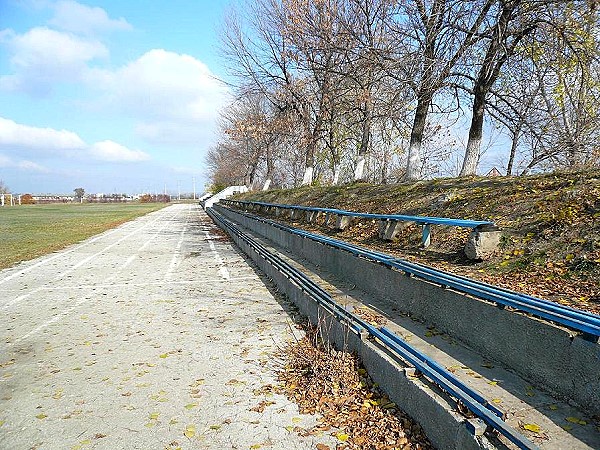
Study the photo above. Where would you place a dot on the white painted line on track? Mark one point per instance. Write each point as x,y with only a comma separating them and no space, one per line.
130,259
176,260
20,297
155,283
147,284
114,244
85,260
70,250
122,267
127,262
48,322
60,253
222,269
136,254
65,313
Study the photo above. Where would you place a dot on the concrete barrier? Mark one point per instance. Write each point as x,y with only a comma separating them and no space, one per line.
546,355
388,229
423,401
227,192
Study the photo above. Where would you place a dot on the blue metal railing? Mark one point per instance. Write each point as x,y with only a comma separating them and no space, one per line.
425,221
579,320
474,401
421,220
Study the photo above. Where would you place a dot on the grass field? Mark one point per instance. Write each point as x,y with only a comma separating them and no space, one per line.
27,232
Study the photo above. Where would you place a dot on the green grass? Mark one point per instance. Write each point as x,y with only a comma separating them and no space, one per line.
29,231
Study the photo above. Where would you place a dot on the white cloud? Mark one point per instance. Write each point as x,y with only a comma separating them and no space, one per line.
18,138
113,152
42,57
23,164
174,97
6,35
13,134
31,166
86,20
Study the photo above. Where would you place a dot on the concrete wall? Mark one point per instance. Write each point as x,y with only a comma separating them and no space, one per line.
227,192
546,355
424,402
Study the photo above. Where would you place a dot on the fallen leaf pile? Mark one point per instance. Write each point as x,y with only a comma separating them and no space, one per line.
369,316
332,384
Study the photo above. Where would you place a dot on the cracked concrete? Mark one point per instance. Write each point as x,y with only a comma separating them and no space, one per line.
155,335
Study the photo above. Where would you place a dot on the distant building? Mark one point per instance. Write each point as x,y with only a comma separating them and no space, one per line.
493,173
41,199
108,198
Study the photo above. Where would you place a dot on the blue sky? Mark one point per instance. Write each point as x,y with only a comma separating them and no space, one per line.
111,96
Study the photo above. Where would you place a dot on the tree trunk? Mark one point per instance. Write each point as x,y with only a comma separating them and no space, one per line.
364,143
473,152
513,151
270,167
384,167
359,171
500,48
311,147
413,165
309,168
336,176
307,179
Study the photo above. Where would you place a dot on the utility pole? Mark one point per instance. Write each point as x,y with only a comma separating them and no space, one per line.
178,190
194,183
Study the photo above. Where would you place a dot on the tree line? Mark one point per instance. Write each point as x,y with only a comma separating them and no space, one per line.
330,91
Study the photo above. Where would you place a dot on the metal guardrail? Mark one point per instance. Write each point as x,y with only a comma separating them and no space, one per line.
425,221
421,220
585,322
475,402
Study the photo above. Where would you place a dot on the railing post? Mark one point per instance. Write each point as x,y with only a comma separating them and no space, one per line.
388,229
311,216
342,222
295,214
483,241
426,238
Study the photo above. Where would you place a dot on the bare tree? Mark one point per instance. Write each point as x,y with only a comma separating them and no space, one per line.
441,32
547,97
510,22
340,90
369,58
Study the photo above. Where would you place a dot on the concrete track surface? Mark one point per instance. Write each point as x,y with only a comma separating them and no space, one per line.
155,335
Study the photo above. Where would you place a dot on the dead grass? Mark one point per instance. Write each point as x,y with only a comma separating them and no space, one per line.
30,231
551,227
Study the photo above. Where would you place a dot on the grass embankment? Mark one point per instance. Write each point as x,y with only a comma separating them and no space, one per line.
30,231
551,227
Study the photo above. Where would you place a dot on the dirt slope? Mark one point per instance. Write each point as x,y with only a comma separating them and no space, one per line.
551,227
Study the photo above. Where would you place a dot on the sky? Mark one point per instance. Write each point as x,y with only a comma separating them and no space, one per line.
114,96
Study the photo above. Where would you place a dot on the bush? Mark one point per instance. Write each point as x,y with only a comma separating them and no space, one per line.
161,198
27,199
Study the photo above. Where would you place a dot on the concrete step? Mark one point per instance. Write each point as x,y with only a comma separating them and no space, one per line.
561,425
